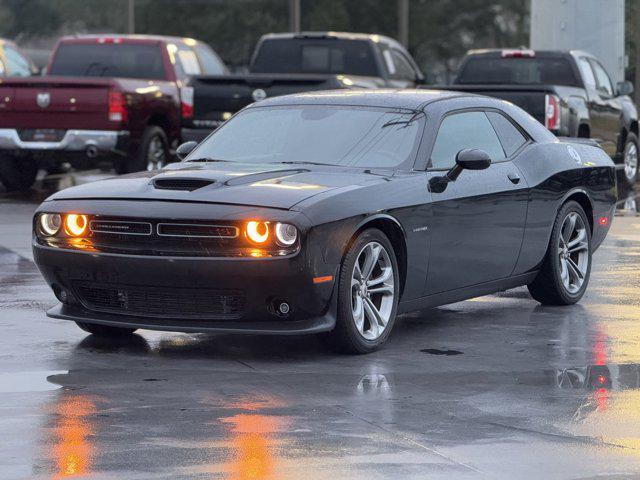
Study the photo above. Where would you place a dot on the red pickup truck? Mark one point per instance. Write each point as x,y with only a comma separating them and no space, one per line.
116,97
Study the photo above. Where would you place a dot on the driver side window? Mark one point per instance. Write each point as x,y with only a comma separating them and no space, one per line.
464,130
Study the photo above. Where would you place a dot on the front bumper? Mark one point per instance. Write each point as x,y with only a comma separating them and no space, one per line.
102,141
263,283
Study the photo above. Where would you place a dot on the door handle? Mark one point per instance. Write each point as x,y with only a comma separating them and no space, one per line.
514,177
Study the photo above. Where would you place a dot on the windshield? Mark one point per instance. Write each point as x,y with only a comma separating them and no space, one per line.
288,55
127,60
517,71
332,135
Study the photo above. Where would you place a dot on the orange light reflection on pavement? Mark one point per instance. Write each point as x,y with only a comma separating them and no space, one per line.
72,448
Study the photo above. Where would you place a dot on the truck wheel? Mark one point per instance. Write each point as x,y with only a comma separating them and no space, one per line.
368,291
630,157
104,330
152,153
564,275
17,173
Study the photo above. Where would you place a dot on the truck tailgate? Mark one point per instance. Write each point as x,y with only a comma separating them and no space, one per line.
55,103
528,97
215,96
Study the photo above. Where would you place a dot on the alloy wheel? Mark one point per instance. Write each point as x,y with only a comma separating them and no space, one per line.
631,161
372,290
156,155
573,252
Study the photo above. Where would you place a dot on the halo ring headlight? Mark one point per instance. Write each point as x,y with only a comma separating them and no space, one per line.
76,225
50,223
258,232
286,234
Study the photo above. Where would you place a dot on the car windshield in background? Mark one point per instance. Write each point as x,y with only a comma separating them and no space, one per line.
351,57
333,135
108,60
518,71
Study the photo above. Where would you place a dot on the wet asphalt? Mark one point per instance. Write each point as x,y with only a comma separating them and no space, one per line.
495,387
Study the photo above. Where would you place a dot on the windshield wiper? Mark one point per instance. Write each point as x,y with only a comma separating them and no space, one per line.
293,162
207,159
406,122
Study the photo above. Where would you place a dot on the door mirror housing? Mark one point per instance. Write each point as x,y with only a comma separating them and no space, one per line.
467,159
624,88
472,159
185,149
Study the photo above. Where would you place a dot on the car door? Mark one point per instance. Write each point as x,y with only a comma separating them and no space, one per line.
606,110
478,220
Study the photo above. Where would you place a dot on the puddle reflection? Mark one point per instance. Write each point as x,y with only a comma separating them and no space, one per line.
71,446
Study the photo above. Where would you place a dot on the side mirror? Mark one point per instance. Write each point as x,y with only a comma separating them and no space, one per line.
624,88
472,159
185,149
467,159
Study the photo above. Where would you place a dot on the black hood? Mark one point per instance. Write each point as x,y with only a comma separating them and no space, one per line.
275,186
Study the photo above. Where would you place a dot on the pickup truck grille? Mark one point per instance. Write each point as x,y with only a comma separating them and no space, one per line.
164,302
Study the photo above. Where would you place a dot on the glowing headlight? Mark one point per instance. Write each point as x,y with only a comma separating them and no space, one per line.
286,234
76,225
50,223
258,232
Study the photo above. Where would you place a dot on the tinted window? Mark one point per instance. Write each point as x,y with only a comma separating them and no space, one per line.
348,136
531,71
604,83
17,64
353,57
464,130
403,67
211,64
2,69
510,137
127,60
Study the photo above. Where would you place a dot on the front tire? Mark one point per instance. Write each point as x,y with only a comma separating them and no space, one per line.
630,157
104,330
368,291
18,174
565,272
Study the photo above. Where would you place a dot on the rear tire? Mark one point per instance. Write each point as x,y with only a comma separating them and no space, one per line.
104,330
630,158
565,272
152,153
365,293
18,174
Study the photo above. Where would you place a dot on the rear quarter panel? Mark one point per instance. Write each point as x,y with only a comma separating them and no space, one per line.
553,175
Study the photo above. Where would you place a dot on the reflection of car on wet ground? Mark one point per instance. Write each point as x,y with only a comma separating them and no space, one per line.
104,97
568,92
326,213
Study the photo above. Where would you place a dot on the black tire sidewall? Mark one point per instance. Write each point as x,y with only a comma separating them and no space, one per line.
631,138
554,259
138,162
347,325
17,173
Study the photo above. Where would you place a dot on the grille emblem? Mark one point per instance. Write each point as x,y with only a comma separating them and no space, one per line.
43,99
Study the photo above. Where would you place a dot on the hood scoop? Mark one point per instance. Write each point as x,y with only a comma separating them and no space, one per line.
188,184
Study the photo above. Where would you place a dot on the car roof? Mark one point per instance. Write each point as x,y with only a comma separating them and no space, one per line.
139,37
411,99
497,52
373,37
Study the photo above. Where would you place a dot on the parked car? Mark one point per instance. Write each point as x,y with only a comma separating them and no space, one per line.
13,62
120,97
287,63
569,92
331,213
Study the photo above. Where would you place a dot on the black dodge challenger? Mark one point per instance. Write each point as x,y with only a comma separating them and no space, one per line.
331,213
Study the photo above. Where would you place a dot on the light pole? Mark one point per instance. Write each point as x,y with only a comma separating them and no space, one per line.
403,22
131,17
294,15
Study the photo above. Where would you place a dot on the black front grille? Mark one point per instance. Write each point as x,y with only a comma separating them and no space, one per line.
161,302
197,230
189,184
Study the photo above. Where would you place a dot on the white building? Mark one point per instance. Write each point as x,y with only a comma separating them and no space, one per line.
595,26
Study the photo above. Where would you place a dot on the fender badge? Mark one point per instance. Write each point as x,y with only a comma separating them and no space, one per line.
259,94
574,154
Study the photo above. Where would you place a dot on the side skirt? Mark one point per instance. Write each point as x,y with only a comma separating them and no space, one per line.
466,293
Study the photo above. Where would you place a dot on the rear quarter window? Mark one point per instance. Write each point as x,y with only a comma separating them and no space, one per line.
510,137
